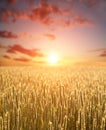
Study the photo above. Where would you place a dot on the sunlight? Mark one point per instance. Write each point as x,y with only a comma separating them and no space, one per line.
53,59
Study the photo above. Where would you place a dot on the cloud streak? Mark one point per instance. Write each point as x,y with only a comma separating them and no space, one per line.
22,59
30,52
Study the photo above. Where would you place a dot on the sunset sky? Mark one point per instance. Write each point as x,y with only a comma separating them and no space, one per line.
30,30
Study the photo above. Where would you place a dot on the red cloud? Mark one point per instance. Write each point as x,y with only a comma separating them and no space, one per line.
22,59
50,36
43,13
19,48
7,57
7,34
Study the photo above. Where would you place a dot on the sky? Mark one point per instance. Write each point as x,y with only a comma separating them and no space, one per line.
30,30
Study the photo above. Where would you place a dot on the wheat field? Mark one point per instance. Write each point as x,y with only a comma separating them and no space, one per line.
53,98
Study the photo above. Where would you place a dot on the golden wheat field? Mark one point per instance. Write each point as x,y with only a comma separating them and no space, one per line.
53,98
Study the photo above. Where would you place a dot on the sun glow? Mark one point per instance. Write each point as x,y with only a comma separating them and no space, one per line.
53,59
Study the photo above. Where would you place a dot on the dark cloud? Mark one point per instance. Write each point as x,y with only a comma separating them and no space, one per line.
50,36
29,52
7,34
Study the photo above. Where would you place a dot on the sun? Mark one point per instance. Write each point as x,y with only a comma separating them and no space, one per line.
53,59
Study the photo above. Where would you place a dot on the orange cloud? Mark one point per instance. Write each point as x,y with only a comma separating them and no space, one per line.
50,36
29,52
